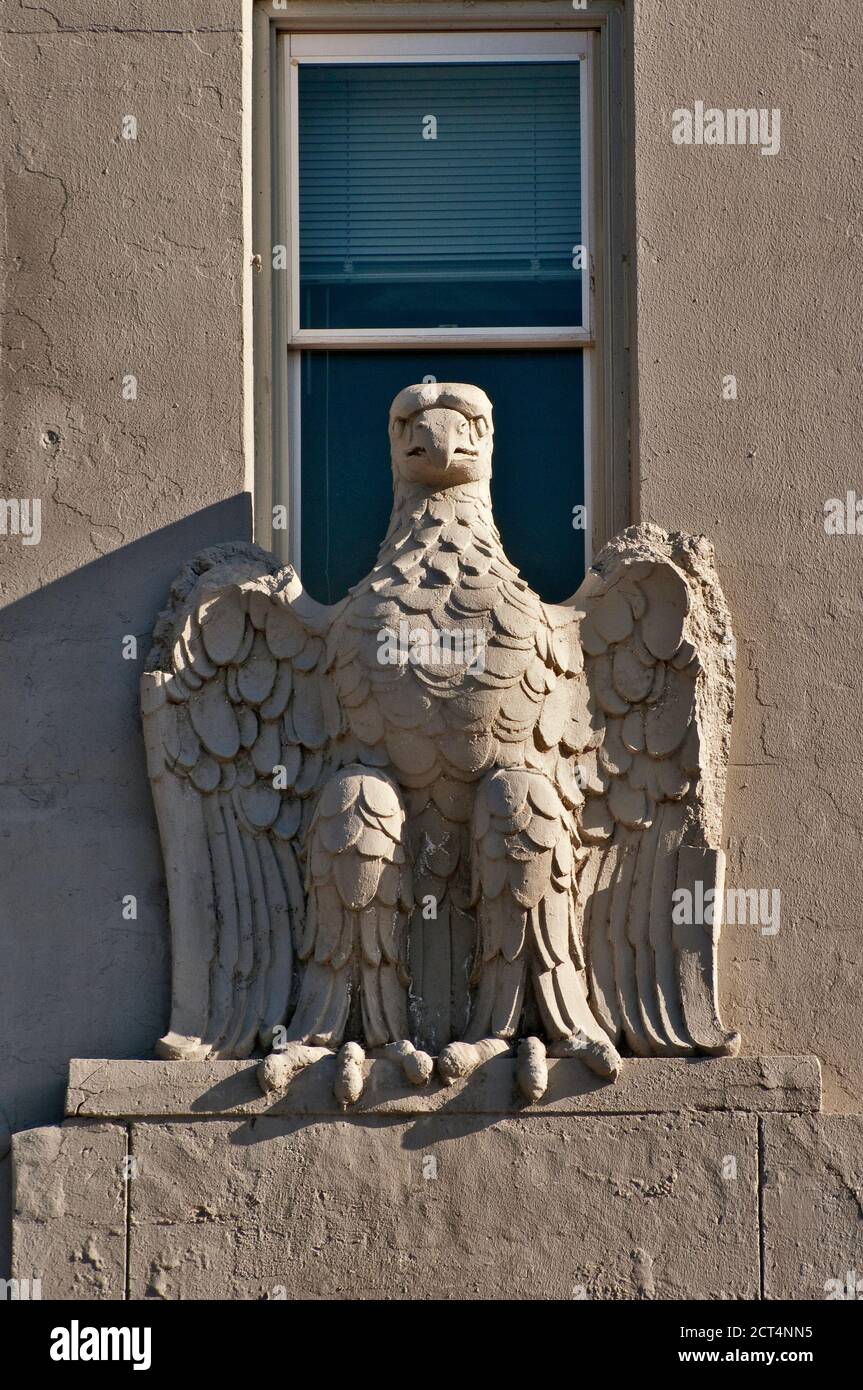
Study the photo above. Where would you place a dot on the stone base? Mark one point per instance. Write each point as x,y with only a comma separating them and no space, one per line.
443,1207
813,1206
69,1211
685,1180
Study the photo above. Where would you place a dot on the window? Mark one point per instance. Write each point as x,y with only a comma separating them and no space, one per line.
434,216
435,194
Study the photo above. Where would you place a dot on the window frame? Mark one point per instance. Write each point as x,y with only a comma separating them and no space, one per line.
481,47
317,31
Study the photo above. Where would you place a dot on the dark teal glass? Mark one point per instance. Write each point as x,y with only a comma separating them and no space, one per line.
439,194
538,477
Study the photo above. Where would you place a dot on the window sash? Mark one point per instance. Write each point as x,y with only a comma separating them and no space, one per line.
556,47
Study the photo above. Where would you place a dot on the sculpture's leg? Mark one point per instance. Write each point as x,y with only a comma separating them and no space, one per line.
501,963
525,894
352,942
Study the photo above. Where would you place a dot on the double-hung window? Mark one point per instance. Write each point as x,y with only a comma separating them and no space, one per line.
436,197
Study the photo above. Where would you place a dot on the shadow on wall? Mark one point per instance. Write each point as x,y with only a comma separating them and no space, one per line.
77,829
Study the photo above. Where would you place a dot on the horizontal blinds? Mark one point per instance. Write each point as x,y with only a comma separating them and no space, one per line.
496,193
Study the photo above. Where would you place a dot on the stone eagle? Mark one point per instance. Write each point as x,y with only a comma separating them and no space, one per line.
442,816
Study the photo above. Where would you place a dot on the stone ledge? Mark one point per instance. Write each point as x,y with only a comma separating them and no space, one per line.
110,1089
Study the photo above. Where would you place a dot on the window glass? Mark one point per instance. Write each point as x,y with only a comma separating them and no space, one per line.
439,194
346,481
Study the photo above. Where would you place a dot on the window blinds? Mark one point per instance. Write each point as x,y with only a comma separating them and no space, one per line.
456,171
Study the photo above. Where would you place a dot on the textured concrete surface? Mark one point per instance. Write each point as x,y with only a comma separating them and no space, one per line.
813,1206
631,1207
751,266
70,1210
5,1195
653,1086
118,257
445,1205
94,16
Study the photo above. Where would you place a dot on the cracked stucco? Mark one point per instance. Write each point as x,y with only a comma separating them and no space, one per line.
133,17
117,257
752,266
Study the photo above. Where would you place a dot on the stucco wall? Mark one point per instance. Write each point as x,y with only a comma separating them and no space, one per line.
120,257
127,257
752,265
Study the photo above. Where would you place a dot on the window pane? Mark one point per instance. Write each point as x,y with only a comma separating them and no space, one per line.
437,194
346,483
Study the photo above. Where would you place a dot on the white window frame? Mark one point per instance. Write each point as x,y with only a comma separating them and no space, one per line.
449,30
436,48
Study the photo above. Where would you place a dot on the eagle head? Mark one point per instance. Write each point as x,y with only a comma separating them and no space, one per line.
441,434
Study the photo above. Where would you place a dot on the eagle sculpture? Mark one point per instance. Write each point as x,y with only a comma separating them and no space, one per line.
442,817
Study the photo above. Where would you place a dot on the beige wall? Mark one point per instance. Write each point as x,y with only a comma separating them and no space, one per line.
118,257
129,257
753,265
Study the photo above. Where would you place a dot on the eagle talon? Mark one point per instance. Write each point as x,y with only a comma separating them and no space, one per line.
277,1071
532,1069
417,1066
601,1057
350,1080
459,1059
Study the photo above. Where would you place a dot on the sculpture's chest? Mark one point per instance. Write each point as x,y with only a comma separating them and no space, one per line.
422,672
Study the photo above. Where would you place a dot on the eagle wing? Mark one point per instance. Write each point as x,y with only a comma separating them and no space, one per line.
646,741
239,724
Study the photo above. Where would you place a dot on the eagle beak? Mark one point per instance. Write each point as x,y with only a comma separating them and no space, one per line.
442,442
447,439
442,456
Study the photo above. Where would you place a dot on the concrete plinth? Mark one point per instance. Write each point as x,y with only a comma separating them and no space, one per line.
180,1180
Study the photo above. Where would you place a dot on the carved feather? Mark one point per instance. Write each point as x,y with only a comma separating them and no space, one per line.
359,889
658,665
248,647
